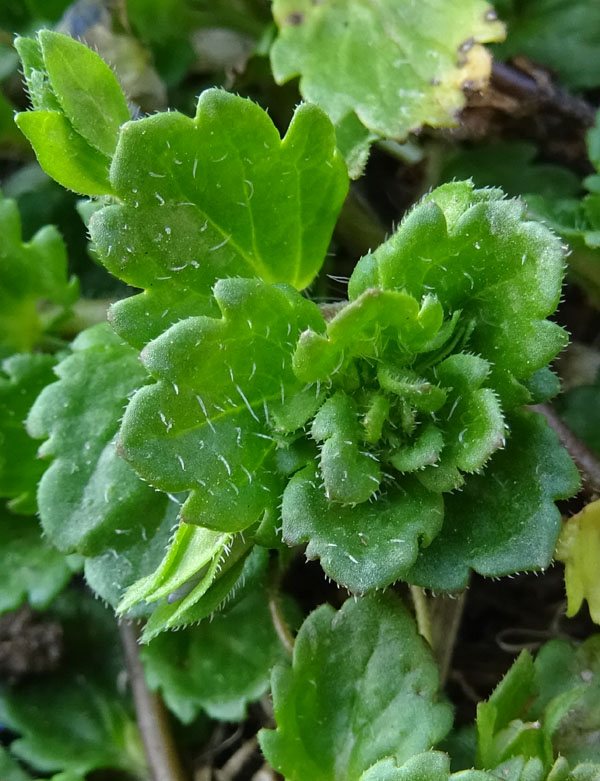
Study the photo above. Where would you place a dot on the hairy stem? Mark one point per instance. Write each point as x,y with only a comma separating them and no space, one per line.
152,718
587,462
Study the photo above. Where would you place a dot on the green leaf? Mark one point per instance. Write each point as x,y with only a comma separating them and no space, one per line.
9,769
78,108
89,498
111,573
86,89
574,407
579,548
561,34
219,666
429,766
63,154
394,65
32,570
29,273
207,425
215,196
366,546
21,379
504,520
366,678
75,720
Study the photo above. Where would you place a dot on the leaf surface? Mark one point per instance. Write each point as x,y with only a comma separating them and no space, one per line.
218,666
208,424
504,520
29,271
22,378
579,548
340,678
89,498
393,64
216,196
32,570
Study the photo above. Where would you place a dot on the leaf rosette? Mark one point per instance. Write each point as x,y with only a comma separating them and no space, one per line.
443,339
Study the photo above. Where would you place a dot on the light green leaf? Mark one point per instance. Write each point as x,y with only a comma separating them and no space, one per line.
216,196
29,273
21,379
579,548
429,766
31,569
207,425
394,64
218,666
89,498
505,519
86,89
365,676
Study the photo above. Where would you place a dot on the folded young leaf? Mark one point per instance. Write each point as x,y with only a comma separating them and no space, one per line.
395,65
579,548
78,108
22,377
216,196
30,271
31,569
207,424
89,499
366,677
219,666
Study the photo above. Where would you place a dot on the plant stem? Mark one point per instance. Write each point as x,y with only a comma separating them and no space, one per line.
422,613
279,623
446,613
587,462
152,718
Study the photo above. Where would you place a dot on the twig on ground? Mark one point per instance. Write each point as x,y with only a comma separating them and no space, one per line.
152,717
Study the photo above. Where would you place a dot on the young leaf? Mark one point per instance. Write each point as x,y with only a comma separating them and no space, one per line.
215,196
89,498
579,548
218,666
29,271
78,108
21,379
443,337
504,520
365,676
76,720
394,65
429,766
207,425
32,570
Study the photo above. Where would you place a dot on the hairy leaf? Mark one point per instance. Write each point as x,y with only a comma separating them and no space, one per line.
428,766
216,196
89,498
219,666
394,65
206,426
31,273
505,519
443,337
32,571
21,379
78,107
366,678
579,548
